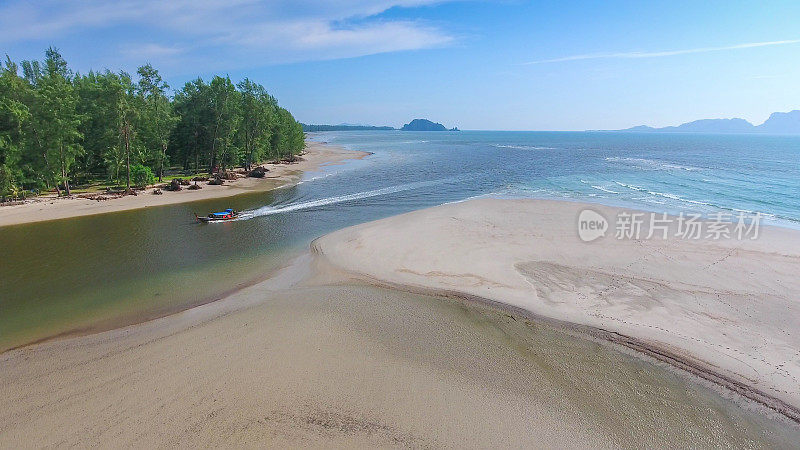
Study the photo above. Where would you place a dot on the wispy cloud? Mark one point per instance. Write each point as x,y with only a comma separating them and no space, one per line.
634,55
765,77
263,31
147,52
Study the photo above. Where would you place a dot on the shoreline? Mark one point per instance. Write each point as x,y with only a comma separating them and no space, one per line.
451,261
316,156
311,355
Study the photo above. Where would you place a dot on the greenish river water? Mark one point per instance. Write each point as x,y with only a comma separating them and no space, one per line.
98,272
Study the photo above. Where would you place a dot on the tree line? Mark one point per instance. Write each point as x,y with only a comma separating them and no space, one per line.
310,128
59,128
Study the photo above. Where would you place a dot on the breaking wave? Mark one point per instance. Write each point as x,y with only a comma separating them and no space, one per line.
601,188
652,164
523,147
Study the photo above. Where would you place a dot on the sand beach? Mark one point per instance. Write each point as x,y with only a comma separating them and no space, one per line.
44,208
725,309
315,358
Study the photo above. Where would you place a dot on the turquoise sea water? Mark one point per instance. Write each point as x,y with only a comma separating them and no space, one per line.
96,272
667,172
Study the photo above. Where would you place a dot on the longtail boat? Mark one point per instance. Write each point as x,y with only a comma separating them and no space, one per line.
228,214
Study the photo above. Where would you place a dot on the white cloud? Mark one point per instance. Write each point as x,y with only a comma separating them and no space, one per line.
633,55
270,31
147,52
765,77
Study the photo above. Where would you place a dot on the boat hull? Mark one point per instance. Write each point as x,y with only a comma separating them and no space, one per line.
216,219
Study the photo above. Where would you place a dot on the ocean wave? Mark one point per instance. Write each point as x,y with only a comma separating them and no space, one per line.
644,198
630,186
601,188
662,194
652,164
708,205
523,147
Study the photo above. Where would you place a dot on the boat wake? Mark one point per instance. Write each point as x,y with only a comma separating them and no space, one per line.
268,210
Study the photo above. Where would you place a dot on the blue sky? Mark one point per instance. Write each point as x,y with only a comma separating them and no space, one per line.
508,65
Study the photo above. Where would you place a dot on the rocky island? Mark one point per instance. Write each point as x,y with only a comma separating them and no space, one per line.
425,125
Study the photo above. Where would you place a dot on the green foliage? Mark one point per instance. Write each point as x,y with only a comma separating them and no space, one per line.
14,114
142,176
259,113
221,125
157,118
225,118
58,128
55,120
313,128
101,95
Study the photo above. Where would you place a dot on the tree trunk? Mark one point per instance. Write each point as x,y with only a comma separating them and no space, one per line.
64,170
213,162
248,148
213,151
196,153
128,158
163,157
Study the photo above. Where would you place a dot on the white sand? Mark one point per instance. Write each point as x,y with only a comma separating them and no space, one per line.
49,208
353,366
728,308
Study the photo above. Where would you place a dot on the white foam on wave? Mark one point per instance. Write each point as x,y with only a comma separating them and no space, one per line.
523,147
652,164
630,186
663,194
268,210
601,188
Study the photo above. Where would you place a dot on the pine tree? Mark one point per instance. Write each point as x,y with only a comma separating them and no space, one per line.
57,119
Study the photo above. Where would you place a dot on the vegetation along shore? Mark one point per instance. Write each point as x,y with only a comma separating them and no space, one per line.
70,133
278,174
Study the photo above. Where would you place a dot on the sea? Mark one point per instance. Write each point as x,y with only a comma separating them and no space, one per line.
660,172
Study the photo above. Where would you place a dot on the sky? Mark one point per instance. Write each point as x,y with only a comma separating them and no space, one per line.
490,65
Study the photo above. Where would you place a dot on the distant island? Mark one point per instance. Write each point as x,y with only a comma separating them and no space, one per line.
425,125
343,127
778,123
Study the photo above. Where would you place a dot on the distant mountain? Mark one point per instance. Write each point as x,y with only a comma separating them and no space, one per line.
714,126
778,123
343,127
782,123
425,125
